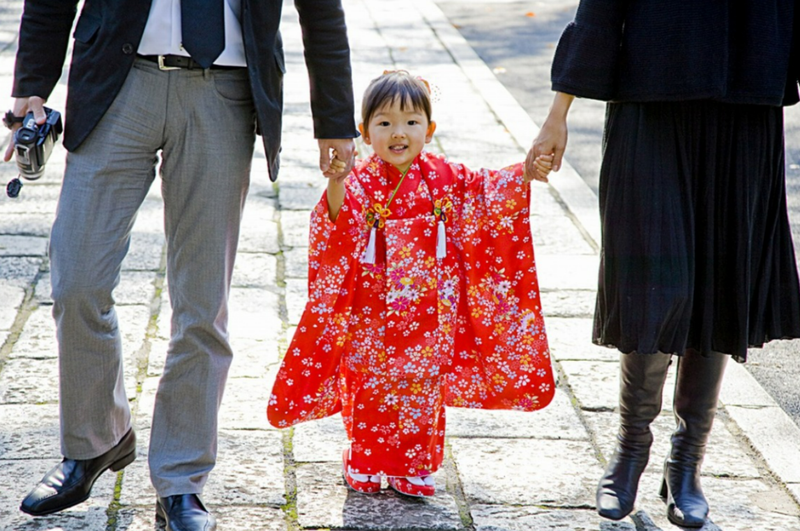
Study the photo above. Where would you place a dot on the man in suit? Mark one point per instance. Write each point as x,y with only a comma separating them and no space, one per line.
194,80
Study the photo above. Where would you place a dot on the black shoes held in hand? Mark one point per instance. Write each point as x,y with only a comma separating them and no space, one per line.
185,512
70,482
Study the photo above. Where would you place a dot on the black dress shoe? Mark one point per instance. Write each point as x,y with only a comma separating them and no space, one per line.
185,512
71,481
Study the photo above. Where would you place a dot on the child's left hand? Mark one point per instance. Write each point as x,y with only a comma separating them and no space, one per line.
540,169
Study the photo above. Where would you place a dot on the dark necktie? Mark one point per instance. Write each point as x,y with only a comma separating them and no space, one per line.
203,30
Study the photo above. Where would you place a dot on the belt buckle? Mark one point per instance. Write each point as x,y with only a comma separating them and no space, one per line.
162,66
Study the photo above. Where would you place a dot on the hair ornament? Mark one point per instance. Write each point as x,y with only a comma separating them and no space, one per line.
433,91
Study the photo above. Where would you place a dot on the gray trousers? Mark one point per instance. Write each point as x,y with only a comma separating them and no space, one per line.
203,122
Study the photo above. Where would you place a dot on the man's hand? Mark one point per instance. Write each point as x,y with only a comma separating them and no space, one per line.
21,107
336,157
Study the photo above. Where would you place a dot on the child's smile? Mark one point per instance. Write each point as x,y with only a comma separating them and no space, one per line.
398,134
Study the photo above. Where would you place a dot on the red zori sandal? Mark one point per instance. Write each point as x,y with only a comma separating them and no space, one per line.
359,482
419,487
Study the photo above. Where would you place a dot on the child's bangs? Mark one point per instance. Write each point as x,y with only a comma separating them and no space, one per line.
391,88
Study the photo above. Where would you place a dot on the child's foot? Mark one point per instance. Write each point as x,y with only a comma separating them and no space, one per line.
359,482
419,487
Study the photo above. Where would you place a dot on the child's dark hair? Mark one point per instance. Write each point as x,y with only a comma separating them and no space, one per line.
393,86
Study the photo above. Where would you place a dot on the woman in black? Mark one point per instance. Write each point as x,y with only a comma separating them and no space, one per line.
697,258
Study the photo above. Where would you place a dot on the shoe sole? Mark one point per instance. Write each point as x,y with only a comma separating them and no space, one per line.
392,486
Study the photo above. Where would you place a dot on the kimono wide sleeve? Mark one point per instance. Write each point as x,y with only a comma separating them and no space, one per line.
501,358
307,385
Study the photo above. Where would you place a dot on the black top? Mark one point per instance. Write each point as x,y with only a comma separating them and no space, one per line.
669,50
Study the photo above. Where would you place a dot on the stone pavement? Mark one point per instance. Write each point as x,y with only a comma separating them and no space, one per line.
503,470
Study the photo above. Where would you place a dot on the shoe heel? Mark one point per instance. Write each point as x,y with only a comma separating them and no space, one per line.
116,466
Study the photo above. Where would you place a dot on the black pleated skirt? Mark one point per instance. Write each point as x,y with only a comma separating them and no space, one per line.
697,252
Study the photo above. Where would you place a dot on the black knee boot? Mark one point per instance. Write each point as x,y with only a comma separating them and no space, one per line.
641,384
696,393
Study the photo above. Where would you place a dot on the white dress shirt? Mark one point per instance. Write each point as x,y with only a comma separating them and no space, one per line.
162,34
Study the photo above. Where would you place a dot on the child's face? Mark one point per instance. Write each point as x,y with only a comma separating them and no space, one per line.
396,135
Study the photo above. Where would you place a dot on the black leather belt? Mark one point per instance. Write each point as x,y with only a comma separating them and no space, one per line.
175,62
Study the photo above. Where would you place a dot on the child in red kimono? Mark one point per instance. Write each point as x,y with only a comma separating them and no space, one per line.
422,293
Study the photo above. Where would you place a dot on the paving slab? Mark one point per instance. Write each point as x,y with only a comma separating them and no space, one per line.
11,298
19,271
296,298
253,358
146,252
565,272
25,223
254,313
254,270
259,227
568,303
319,441
29,381
556,421
302,196
556,473
527,518
135,287
14,245
296,263
294,228
556,235
323,501
570,339
17,477
29,431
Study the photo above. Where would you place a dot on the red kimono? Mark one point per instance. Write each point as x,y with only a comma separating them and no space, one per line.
390,343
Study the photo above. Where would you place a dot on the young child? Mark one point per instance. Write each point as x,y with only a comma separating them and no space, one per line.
422,293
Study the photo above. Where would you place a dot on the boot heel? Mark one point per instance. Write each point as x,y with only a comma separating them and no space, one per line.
116,466
664,490
161,516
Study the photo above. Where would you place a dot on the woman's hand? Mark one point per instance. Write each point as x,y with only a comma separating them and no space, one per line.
551,140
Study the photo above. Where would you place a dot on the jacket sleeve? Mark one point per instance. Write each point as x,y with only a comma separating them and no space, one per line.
327,54
587,55
43,39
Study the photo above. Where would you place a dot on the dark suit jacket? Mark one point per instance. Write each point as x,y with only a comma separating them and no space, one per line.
107,36
666,50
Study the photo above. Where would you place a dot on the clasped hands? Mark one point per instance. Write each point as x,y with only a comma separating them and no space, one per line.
336,157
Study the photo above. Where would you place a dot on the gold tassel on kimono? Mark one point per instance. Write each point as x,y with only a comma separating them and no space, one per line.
441,207
375,217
